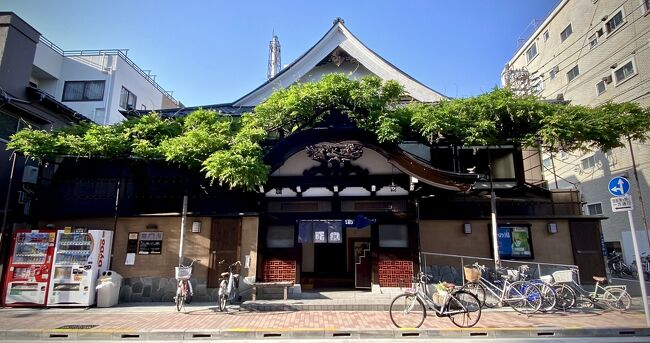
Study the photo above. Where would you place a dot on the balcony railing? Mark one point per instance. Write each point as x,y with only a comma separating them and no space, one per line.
119,52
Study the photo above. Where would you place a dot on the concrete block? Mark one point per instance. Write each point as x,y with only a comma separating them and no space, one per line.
200,335
373,334
236,334
409,333
129,335
94,335
22,335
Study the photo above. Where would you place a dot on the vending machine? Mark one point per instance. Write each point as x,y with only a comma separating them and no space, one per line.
80,256
29,270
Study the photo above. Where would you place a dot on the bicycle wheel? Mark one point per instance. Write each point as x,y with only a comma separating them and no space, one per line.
223,299
566,297
477,289
617,299
407,311
180,296
464,309
549,299
524,297
492,300
188,294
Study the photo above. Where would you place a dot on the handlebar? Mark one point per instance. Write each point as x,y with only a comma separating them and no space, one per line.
191,263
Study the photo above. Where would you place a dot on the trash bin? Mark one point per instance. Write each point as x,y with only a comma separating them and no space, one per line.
108,288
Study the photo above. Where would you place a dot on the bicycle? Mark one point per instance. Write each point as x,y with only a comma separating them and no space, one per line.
617,266
409,309
184,290
645,266
549,296
229,285
614,297
523,296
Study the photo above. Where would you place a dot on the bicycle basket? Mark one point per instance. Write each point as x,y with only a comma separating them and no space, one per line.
472,273
183,273
563,275
546,278
513,275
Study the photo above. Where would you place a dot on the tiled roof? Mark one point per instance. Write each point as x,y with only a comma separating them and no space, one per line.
226,109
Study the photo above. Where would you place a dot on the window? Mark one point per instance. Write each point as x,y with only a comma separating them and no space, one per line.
566,33
127,99
593,41
546,34
573,73
594,209
646,4
625,72
601,87
8,125
83,90
393,236
532,52
589,162
279,237
615,22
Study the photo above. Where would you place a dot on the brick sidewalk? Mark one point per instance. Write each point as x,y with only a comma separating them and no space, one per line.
197,317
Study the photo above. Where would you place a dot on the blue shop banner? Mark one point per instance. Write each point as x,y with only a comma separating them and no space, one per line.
514,242
505,241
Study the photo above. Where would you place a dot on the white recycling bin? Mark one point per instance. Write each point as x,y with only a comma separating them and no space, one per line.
108,288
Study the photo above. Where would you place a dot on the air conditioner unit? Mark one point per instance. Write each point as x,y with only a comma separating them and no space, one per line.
30,174
607,79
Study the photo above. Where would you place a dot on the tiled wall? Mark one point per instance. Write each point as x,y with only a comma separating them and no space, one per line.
395,273
279,270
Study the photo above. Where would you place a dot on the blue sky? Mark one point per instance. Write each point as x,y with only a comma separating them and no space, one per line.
211,52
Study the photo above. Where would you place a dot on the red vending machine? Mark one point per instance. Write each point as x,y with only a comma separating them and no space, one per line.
29,269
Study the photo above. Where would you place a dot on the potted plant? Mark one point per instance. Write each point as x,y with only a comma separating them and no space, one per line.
440,294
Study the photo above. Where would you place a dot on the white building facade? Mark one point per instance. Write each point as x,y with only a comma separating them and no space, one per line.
589,52
97,83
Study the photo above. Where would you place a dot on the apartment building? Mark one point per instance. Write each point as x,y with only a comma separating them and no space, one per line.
97,83
589,52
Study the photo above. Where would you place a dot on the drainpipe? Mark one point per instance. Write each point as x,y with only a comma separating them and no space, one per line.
6,208
109,98
493,207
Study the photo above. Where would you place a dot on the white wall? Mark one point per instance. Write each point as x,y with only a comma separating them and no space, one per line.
86,68
48,60
125,76
628,247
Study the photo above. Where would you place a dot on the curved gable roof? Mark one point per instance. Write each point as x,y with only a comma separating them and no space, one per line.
339,36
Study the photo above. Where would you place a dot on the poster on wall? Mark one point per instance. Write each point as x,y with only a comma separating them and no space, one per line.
514,242
150,243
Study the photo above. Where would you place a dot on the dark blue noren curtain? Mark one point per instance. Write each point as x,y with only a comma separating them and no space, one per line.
305,231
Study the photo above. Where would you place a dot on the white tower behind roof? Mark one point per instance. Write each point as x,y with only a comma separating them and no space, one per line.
274,57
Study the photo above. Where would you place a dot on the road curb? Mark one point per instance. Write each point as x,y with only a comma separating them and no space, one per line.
315,333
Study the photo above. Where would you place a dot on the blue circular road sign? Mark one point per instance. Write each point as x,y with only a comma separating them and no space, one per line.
618,186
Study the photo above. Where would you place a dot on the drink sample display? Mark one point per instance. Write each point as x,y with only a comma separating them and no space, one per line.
28,273
79,258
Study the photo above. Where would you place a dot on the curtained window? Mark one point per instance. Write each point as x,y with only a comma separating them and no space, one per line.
83,90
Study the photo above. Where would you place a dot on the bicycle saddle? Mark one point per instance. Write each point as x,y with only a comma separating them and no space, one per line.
600,279
224,274
449,285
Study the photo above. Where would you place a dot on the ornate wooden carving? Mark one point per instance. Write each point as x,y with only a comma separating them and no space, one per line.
335,159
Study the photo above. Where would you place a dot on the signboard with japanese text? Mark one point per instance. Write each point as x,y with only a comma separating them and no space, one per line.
514,241
622,204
